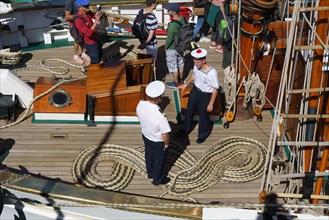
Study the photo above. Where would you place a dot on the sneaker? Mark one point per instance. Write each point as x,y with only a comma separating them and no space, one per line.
85,58
171,85
77,59
204,39
219,49
213,45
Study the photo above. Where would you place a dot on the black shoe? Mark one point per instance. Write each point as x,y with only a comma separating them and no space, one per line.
165,181
180,133
200,141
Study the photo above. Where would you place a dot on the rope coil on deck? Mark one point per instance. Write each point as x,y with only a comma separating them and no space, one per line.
10,58
233,159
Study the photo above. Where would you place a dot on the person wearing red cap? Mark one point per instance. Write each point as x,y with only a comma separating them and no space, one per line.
202,96
87,28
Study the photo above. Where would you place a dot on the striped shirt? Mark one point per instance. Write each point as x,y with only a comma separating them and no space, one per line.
151,24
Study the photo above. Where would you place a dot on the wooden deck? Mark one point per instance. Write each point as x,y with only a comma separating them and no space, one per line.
37,152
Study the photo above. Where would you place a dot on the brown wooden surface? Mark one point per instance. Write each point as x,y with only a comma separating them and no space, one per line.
77,91
102,77
273,78
35,150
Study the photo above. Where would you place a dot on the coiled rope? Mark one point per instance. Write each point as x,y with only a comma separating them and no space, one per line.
10,58
52,69
254,90
230,84
233,159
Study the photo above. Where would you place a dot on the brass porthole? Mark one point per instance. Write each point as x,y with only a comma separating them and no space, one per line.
60,98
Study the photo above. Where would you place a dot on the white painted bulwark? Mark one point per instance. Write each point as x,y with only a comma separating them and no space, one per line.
59,116
54,34
10,84
118,119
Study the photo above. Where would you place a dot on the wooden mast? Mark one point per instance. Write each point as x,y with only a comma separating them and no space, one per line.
323,133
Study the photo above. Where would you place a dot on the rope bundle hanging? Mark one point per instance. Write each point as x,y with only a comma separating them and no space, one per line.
254,90
233,159
230,85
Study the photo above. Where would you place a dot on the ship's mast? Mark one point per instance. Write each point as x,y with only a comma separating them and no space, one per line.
299,145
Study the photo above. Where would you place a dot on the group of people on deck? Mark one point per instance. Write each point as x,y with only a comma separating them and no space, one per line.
155,127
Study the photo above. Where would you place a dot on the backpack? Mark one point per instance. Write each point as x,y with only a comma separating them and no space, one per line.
138,28
76,35
183,40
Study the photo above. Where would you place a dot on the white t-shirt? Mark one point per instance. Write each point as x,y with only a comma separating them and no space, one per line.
152,121
206,82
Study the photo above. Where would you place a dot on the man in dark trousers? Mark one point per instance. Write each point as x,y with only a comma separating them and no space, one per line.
202,95
155,132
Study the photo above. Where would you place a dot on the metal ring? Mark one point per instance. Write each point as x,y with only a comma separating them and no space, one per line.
60,98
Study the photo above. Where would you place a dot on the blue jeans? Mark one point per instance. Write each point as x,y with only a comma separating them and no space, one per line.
198,26
95,52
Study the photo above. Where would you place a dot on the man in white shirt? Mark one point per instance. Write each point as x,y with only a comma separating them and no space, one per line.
202,95
155,132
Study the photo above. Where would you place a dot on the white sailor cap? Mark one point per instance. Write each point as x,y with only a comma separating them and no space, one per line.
155,89
199,53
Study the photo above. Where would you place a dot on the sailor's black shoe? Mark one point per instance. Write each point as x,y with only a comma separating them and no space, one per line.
200,141
164,181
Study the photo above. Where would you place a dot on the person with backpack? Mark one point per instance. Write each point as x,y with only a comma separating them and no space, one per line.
148,40
175,60
202,96
70,15
87,28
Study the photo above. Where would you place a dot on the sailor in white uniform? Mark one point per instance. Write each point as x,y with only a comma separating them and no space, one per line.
202,95
155,132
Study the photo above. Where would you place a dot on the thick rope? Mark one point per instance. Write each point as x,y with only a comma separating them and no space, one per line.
233,159
255,91
230,84
51,69
10,58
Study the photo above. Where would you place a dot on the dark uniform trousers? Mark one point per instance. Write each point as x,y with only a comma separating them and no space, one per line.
198,100
154,159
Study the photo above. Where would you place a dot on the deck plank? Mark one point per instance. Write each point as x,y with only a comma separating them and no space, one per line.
38,153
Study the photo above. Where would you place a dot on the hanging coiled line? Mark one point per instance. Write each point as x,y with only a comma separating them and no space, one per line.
254,90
